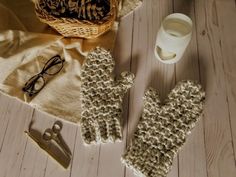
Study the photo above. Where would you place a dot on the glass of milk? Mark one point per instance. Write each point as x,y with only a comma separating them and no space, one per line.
173,38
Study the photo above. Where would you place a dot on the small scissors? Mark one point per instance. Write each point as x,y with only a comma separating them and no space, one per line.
54,134
52,142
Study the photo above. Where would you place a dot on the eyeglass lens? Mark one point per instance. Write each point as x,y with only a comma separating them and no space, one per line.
54,65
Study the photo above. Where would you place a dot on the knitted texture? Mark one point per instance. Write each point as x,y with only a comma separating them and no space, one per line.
102,98
162,129
128,6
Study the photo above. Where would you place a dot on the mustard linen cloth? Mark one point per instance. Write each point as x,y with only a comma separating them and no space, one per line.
23,55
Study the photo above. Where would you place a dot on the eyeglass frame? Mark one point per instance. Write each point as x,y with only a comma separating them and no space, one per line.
33,80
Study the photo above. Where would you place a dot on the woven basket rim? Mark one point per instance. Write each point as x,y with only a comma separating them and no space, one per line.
50,18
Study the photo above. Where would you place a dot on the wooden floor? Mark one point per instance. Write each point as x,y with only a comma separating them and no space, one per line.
210,150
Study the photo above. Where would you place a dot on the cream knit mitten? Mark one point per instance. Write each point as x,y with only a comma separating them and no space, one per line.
102,98
162,129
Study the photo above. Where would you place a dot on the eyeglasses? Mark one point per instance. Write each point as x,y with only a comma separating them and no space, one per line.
36,83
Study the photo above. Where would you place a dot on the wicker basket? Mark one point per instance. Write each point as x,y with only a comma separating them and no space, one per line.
72,27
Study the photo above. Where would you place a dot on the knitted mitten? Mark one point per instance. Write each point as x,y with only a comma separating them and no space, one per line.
162,130
102,98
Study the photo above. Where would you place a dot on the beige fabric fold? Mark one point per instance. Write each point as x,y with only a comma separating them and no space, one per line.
23,55
10,20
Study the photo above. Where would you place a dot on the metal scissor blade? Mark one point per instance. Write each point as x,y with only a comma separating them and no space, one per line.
58,155
63,145
51,148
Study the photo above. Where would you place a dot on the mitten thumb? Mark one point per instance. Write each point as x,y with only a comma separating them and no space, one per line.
152,103
125,81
